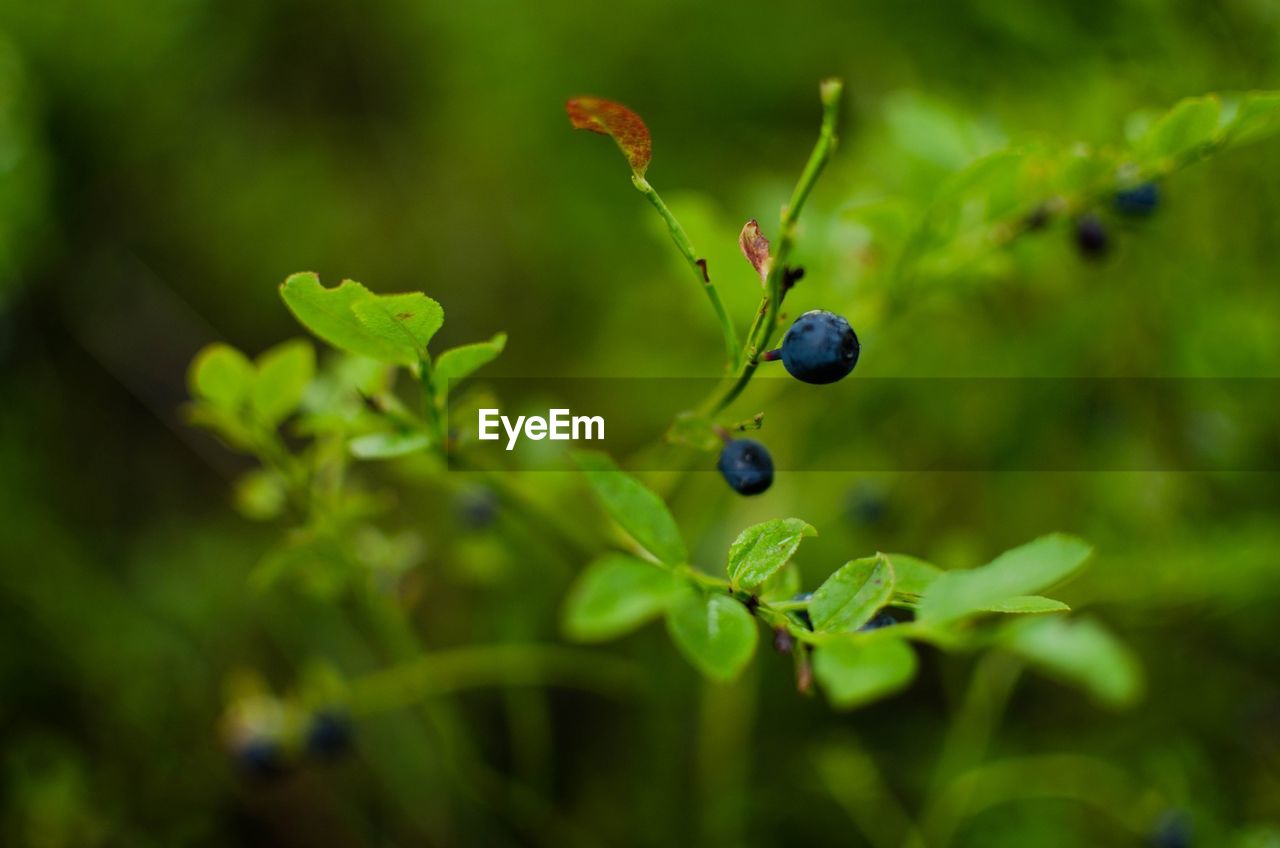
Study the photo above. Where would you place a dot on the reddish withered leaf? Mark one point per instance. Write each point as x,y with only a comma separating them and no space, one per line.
756,248
619,122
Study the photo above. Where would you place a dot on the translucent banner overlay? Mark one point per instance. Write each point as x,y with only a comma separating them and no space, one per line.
880,424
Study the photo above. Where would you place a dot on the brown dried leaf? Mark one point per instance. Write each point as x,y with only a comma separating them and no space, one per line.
605,117
756,248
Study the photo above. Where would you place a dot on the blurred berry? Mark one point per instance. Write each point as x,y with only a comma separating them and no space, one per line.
881,619
1092,239
329,734
1173,830
866,505
477,508
1138,201
803,614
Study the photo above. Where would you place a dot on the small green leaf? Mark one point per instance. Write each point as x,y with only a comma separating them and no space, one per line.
615,595
405,321
1257,116
1025,570
859,670
637,510
1080,652
1189,125
715,633
762,549
605,117
782,585
221,375
284,372
460,362
330,315
1028,604
260,495
912,576
388,445
852,596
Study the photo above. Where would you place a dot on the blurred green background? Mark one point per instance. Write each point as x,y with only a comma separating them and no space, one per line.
165,164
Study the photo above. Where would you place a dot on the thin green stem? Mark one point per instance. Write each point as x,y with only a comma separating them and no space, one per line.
765,325
430,407
699,266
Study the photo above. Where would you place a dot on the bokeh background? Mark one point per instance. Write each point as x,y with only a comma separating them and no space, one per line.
165,163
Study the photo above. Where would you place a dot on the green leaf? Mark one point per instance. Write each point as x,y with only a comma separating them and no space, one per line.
1189,125
284,373
1025,570
388,445
330,314
615,595
782,585
715,633
460,362
1028,604
1257,116
221,375
859,670
1080,652
405,321
762,549
912,576
637,510
852,596
260,495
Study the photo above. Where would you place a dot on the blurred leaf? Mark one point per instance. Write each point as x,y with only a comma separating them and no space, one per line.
226,424
388,445
1028,604
858,670
260,495
762,549
1256,117
1080,652
613,119
912,576
852,595
614,595
692,430
330,315
636,509
1025,570
715,633
407,321
221,375
284,373
933,131
460,362
1189,125
756,248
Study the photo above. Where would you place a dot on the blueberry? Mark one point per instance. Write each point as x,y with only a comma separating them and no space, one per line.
746,466
1138,201
261,758
1173,830
328,734
1091,237
820,347
882,619
866,505
477,507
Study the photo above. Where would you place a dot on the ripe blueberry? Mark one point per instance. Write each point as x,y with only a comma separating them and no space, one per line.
881,619
1092,239
746,466
803,615
328,734
1138,201
820,347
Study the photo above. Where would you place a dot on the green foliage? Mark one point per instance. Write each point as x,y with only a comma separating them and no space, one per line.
635,508
760,550
854,671
714,632
458,363
1080,652
614,595
405,321
852,595
283,374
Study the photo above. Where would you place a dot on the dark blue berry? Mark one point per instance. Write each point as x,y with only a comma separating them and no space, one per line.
866,505
1037,218
328,734
881,619
820,347
1138,201
261,758
1092,239
746,466
1173,830
477,508
803,614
